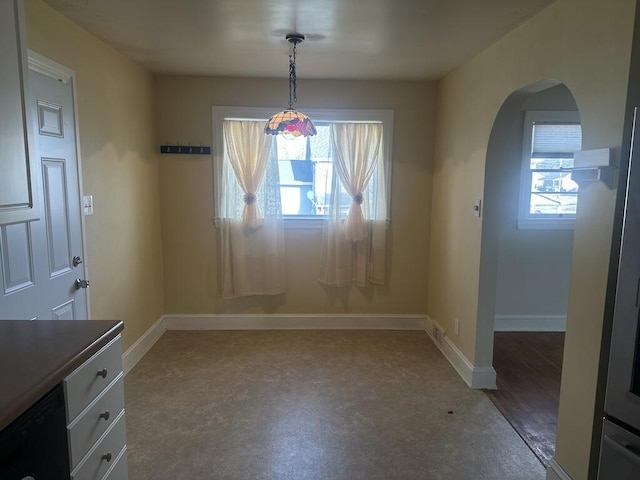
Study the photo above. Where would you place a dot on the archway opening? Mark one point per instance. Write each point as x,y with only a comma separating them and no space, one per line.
525,268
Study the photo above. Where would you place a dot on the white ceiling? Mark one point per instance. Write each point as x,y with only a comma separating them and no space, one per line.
366,39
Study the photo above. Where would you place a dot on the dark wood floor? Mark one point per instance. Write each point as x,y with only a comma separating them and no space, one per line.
528,367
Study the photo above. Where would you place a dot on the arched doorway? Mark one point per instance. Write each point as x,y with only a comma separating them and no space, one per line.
524,275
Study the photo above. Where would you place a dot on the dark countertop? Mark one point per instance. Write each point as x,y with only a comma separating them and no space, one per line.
37,355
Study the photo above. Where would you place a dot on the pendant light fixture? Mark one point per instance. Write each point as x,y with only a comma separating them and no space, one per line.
289,121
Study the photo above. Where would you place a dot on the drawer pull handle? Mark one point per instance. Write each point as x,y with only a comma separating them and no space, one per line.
102,373
107,456
105,415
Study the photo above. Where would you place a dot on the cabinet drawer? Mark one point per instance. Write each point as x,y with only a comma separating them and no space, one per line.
87,381
87,428
95,466
120,471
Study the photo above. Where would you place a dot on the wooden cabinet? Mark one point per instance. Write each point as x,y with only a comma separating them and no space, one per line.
18,169
96,430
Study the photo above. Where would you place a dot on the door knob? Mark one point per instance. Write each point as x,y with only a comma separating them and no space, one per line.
76,261
80,283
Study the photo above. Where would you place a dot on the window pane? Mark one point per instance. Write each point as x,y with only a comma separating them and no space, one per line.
296,187
321,143
306,173
542,163
548,190
306,170
295,200
291,148
322,186
552,182
553,203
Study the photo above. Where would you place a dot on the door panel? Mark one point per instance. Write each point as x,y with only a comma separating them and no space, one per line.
37,257
50,119
66,311
16,247
57,215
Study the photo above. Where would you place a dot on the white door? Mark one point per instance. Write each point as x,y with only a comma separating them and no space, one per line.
41,260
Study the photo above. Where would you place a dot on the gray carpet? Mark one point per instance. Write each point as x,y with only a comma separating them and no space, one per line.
311,405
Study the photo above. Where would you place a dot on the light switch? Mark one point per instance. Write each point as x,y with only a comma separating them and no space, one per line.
477,208
87,204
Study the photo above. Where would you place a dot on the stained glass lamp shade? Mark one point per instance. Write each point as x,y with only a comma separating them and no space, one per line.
290,122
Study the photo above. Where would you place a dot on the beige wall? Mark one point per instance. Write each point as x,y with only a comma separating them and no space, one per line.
119,168
184,116
586,45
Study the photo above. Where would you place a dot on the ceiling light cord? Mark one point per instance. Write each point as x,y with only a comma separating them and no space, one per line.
293,96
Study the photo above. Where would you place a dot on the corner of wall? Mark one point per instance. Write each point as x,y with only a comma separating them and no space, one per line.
474,377
142,345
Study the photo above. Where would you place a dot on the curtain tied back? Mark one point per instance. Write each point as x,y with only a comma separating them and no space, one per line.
247,149
357,148
353,251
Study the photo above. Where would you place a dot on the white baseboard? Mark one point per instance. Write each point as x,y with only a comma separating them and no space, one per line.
141,346
556,472
295,322
530,323
475,377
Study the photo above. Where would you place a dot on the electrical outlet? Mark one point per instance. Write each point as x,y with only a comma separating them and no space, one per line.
438,334
456,326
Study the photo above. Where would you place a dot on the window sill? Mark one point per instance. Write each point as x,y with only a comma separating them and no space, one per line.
546,223
297,223
291,223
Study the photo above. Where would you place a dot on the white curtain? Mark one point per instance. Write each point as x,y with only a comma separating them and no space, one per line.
353,248
251,227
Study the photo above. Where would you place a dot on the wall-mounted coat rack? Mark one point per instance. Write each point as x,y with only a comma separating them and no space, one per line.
185,149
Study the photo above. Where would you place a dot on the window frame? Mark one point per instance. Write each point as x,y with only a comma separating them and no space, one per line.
220,113
526,220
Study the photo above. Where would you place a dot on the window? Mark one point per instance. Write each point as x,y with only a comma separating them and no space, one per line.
549,196
305,164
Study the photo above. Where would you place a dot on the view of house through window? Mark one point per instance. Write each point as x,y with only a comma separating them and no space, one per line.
548,192
305,165
305,168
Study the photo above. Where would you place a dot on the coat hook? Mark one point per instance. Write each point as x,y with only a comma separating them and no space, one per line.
182,149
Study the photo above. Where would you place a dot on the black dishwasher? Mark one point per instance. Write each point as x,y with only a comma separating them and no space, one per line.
34,446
